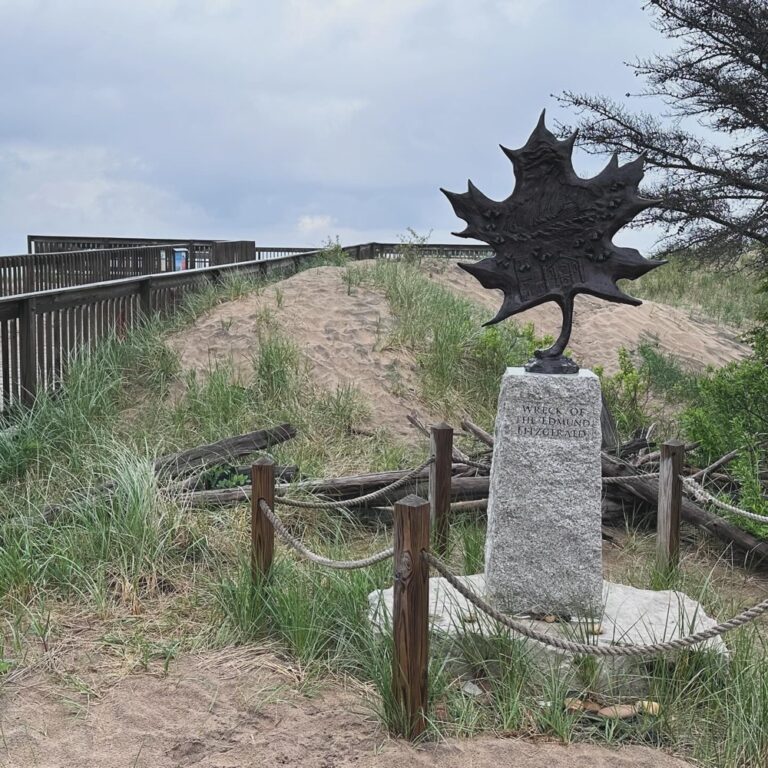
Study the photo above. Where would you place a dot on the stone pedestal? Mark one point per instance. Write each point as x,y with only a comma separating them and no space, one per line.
543,546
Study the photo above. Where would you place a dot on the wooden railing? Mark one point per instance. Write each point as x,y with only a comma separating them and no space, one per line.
203,248
201,253
40,332
59,243
45,270
237,251
62,302
28,273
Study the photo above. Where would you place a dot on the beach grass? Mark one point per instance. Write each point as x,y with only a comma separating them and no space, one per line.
134,552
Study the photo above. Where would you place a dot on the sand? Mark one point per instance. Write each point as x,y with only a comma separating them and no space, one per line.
344,336
600,328
246,707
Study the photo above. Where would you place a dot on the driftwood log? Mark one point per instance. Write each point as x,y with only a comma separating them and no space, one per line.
617,502
352,486
753,549
176,465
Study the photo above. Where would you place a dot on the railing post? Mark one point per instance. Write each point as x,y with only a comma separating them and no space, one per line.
410,612
28,350
190,255
30,265
262,532
441,443
670,502
145,298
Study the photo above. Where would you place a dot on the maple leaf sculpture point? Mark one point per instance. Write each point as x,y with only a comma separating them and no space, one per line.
552,237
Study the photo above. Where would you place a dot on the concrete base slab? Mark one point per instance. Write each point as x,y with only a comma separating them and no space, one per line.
629,616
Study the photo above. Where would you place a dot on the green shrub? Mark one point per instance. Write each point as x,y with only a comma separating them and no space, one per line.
648,385
730,409
222,476
626,394
730,412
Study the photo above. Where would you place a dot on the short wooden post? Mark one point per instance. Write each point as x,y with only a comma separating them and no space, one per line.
410,612
441,442
670,501
262,532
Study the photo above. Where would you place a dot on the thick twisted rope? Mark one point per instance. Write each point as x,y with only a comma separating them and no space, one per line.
307,554
700,494
361,499
587,649
630,478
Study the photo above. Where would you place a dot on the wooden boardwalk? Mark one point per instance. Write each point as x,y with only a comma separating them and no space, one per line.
55,304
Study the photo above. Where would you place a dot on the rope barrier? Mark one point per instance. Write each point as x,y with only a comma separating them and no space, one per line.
700,494
308,554
361,499
594,650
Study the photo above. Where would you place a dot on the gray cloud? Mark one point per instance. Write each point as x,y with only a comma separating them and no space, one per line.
283,121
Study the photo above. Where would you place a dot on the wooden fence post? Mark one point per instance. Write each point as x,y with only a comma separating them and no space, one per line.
190,256
28,350
441,443
262,532
670,502
410,612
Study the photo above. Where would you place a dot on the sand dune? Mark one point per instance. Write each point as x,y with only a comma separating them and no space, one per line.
600,328
344,336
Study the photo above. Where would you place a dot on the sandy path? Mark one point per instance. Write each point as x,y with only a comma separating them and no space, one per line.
242,708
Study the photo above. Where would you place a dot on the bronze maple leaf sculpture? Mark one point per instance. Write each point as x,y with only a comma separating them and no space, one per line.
552,237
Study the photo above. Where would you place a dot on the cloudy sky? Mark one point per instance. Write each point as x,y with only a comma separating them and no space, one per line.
285,121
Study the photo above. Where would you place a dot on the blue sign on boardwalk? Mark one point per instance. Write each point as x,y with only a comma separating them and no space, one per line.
179,259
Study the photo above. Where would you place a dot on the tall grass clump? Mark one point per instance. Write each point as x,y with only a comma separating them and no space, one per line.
82,516
460,362
319,615
729,297
231,286
96,545
65,428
